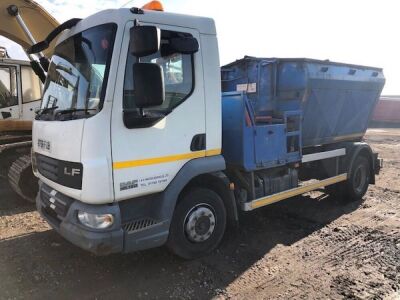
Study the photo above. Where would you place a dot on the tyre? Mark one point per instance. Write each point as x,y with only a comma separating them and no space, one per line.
360,176
198,224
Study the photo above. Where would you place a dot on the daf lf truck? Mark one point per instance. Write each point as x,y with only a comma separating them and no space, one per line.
144,140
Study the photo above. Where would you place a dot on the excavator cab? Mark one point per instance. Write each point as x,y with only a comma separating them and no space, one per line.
20,89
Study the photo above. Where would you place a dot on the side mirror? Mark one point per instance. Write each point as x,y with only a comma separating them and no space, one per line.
148,83
144,40
184,45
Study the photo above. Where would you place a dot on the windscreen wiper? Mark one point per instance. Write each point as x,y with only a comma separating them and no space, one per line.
74,110
46,110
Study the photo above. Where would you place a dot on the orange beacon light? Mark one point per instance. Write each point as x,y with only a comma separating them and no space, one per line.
153,5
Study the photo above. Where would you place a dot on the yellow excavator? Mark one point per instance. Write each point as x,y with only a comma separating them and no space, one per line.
24,22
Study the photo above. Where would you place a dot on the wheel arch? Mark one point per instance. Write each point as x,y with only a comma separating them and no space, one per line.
220,184
196,168
360,149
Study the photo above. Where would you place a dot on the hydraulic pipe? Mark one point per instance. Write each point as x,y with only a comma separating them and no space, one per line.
40,68
14,11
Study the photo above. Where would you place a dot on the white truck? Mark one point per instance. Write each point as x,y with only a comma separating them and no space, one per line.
128,145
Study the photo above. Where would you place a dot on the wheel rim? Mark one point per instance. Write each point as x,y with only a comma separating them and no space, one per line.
360,178
200,223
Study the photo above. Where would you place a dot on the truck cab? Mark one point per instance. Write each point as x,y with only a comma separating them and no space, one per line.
94,152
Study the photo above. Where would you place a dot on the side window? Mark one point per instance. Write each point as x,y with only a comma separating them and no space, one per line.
8,86
31,86
178,74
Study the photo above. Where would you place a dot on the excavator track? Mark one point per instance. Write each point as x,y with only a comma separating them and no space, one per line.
21,178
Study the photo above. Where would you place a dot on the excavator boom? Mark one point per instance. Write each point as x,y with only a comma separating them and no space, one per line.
36,18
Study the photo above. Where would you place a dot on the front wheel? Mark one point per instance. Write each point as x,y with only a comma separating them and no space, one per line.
198,224
359,179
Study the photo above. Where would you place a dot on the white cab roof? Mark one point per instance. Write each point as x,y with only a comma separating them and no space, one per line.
123,15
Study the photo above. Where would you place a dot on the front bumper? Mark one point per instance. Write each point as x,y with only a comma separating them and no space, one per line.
60,211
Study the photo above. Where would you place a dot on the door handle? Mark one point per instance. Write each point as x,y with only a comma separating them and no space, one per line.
198,142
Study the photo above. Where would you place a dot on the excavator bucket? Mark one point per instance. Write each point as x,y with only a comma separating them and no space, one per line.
39,22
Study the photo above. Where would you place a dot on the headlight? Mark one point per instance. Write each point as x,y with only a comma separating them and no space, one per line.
95,221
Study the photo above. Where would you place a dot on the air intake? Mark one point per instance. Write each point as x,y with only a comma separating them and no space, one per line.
138,225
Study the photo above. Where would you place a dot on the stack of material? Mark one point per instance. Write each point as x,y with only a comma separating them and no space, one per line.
15,125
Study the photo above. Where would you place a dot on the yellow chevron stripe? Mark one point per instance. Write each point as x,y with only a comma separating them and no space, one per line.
213,152
164,159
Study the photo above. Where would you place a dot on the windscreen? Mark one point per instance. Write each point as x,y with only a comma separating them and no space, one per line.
77,76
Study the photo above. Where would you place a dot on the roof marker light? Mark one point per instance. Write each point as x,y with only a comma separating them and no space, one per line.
153,5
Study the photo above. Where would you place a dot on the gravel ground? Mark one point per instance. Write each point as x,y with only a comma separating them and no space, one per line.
313,247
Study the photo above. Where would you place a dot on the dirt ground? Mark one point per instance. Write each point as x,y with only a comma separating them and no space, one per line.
313,247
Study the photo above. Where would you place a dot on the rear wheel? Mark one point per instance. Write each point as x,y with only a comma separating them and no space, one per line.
198,224
360,176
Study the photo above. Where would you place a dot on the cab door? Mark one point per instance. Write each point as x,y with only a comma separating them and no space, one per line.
147,158
9,108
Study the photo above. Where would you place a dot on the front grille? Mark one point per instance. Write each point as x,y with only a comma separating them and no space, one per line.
138,224
48,167
54,205
66,173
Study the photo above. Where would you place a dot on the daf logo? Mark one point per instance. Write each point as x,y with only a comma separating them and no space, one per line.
71,171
